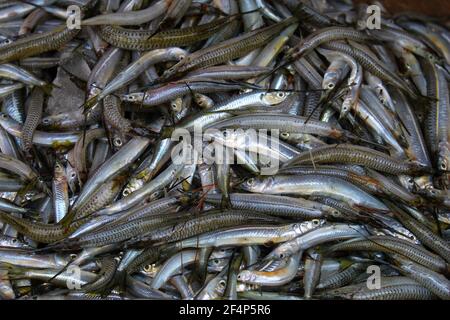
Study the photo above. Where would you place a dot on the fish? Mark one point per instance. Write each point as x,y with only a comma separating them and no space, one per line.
222,150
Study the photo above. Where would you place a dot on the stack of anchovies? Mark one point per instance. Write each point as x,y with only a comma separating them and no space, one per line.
223,149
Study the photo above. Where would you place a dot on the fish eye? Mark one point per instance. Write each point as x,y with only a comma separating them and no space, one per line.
148,268
117,142
285,134
315,222
126,192
46,120
73,175
280,94
4,116
281,255
330,86
222,283
251,181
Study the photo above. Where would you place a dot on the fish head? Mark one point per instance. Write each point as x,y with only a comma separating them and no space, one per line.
135,97
133,185
246,276
302,227
72,176
257,184
5,120
172,71
63,120
274,98
345,107
333,213
443,156
216,265
283,251
330,80
60,174
417,167
51,121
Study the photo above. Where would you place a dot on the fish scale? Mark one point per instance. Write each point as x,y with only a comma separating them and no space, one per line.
147,39
33,117
113,184
37,44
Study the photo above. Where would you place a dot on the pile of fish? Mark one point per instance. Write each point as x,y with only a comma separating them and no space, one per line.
115,115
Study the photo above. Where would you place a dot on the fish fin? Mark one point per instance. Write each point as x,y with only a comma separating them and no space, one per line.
225,203
89,104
